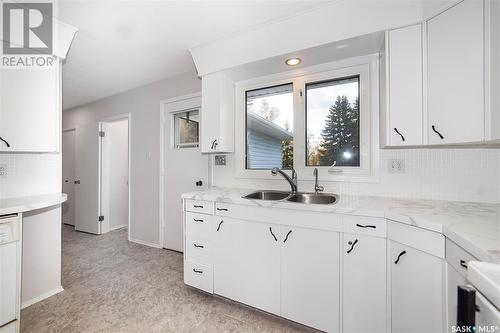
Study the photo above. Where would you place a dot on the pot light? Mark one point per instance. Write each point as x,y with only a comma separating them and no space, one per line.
293,61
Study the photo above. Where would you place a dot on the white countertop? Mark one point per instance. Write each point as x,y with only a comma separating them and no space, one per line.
25,204
473,226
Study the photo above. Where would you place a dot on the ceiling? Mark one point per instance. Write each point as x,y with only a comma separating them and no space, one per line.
121,45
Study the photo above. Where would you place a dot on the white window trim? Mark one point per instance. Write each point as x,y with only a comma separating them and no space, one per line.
367,67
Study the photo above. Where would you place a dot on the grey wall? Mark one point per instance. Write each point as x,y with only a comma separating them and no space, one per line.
143,104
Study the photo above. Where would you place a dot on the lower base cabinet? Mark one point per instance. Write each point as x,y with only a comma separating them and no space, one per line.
310,277
364,284
247,263
417,294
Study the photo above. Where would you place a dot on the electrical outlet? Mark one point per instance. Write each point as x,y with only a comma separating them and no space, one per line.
220,159
396,166
3,170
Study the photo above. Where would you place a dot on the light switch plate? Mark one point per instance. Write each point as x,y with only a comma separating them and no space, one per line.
396,166
220,159
3,170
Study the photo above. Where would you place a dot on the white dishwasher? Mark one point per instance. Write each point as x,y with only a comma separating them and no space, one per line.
10,258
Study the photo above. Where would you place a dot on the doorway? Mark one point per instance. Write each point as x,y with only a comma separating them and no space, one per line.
183,168
68,173
115,174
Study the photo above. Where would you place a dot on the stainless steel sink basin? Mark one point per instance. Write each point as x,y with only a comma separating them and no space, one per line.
267,195
313,198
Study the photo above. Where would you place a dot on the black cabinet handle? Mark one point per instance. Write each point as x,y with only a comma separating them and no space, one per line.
199,183
271,231
286,237
4,141
222,209
401,135
218,228
196,206
197,271
463,264
366,226
352,245
76,182
198,220
200,246
399,256
434,129
214,144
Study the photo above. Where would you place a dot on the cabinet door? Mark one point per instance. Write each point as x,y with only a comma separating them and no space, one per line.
8,282
455,74
247,263
310,277
30,109
405,86
364,284
417,291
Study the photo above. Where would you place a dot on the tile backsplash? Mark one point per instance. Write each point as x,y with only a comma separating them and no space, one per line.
30,174
440,174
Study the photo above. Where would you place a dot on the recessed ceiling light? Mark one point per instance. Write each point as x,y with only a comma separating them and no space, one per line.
293,61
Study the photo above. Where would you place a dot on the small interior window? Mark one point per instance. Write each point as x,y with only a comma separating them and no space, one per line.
186,129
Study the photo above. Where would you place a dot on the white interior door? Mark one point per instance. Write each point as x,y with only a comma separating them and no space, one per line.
87,171
183,168
68,172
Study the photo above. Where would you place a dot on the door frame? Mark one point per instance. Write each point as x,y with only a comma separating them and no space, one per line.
70,129
110,119
180,100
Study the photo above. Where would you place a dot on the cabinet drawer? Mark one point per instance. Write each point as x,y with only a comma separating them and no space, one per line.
9,229
198,250
10,328
457,257
361,225
198,276
424,240
199,206
199,225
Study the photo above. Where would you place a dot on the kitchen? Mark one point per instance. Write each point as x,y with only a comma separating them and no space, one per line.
343,179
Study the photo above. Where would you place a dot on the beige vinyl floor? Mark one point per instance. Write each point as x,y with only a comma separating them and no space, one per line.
112,285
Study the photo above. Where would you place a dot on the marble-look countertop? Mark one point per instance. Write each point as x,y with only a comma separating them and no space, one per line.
473,226
28,203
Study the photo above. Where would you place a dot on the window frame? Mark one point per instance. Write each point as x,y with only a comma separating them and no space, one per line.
176,134
246,121
367,67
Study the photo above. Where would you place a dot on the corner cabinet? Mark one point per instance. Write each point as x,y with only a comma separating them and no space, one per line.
30,109
455,74
217,113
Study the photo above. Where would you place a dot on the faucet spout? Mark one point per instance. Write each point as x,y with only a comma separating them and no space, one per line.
292,181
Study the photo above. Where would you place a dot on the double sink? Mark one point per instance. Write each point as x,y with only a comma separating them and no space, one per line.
300,197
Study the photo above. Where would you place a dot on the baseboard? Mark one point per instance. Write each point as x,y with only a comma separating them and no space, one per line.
41,297
157,246
118,227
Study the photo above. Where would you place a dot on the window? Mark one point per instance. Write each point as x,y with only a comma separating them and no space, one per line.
333,122
186,129
269,127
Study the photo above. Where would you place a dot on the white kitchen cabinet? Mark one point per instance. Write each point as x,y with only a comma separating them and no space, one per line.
455,75
404,118
247,263
310,277
30,107
217,113
364,284
417,292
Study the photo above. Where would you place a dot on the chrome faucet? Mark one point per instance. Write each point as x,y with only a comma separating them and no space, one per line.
317,188
292,181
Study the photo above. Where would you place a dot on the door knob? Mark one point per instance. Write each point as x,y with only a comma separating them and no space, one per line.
199,183
77,182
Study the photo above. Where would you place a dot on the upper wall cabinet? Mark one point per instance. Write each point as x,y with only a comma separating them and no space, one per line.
30,108
217,113
404,86
455,74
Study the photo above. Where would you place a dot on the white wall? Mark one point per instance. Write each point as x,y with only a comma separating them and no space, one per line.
143,104
116,172
441,174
